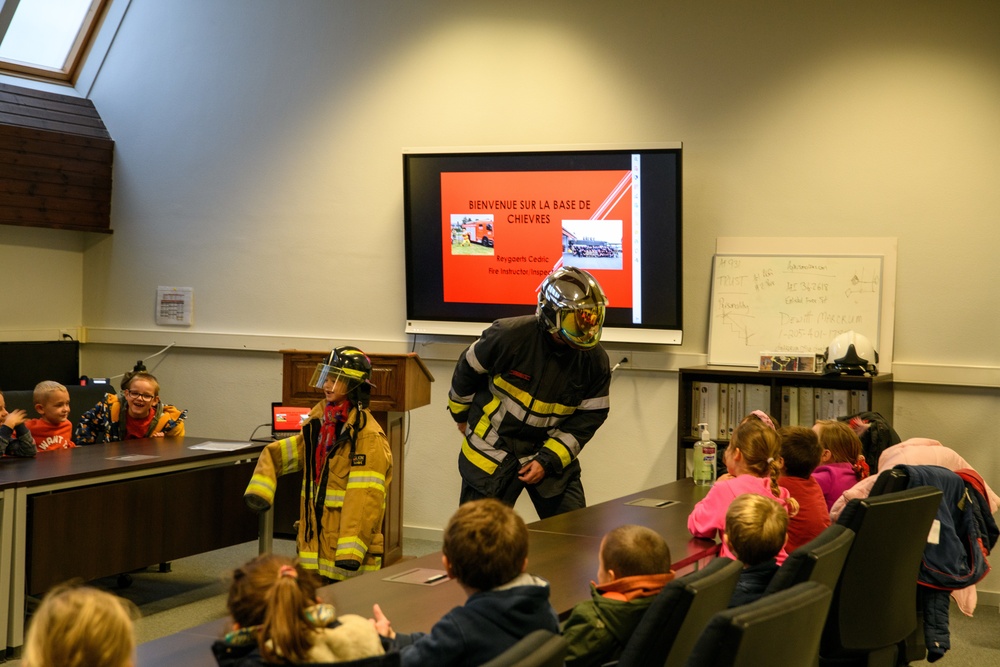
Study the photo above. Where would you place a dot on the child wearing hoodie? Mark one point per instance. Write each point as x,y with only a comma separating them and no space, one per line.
633,566
485,547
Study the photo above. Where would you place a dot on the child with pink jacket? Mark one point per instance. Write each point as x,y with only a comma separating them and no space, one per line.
753,463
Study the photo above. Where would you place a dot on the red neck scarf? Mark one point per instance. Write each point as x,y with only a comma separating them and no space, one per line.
334,417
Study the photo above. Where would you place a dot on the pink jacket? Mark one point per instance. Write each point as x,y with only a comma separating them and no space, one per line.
919,452
708,518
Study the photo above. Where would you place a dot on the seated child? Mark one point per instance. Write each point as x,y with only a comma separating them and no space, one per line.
842,465
134,413
80,627
800,454
485,548
753,463
755,533
633,565
15,438
277,620
763,417
53,430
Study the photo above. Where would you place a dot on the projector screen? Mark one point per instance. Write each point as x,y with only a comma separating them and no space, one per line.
484,226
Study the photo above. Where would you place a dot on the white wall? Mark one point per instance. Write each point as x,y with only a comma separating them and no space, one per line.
258,153
41,289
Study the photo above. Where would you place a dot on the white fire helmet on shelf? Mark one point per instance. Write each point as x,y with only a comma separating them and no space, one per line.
851,353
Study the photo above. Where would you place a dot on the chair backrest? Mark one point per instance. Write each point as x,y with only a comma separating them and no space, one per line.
890,481
671,625
874,604
780,629
390,659
540,648
820,560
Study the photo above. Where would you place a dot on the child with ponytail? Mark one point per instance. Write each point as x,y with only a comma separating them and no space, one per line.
278,620
753,463
842,464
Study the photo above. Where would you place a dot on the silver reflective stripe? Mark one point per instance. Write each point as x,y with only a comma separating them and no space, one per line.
470,358
596,403
567,439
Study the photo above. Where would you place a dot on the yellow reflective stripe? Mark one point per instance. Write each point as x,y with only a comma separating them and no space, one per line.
559,450
525,399
483,424
351,546
484,463
457,408
334,499
338,574
366,475
366,484
262,485
289,453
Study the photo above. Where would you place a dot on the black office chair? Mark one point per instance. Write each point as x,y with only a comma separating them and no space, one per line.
391,659
820,560
914,647
890,481
780,629
875,602
671,625
540,648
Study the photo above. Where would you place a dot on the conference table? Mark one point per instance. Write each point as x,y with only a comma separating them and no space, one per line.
102,510
413,594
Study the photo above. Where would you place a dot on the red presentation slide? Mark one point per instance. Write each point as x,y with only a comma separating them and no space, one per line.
503,232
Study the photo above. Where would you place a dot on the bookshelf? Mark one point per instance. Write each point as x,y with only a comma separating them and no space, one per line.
819,397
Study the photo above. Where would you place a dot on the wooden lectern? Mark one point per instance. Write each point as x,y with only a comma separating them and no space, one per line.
401,382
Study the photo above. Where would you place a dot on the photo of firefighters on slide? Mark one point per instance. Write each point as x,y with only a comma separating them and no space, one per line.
592,244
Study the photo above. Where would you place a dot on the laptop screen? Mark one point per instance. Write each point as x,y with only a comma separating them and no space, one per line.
286,420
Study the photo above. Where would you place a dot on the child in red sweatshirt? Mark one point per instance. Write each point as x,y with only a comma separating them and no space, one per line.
53,430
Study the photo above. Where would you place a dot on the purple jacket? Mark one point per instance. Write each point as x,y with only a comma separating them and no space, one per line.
834,479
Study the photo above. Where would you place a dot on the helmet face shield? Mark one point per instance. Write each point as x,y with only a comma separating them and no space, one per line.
581,328
349,376
572,304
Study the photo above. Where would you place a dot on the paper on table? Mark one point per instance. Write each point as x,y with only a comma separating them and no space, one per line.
652,502
222,446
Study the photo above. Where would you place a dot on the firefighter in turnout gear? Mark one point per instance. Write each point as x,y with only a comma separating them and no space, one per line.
347,467
530,393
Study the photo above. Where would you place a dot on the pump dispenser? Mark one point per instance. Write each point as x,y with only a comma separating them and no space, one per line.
704,458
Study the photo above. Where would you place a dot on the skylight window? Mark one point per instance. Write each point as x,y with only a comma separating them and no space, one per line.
46,38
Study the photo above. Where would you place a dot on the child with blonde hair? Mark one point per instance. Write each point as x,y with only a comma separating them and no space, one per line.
842,464
78,626
278,620
52,430
756,527
753,463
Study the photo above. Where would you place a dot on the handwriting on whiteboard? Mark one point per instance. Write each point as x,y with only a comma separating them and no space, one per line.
777,303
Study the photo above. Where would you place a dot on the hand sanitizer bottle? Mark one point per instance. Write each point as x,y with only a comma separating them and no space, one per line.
704,458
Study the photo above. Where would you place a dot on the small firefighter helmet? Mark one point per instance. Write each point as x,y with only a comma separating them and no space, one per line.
851,353
572,304
350,366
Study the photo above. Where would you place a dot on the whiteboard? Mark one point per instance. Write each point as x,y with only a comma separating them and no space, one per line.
790,303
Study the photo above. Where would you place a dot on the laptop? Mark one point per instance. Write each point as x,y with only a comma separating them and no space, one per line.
286,420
